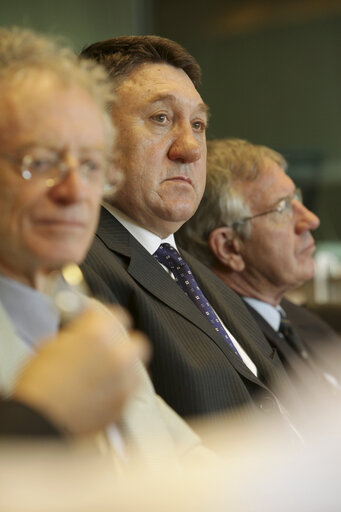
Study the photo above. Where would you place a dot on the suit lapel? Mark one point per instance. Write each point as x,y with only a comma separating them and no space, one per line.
113,234
144,269
246,331
281,348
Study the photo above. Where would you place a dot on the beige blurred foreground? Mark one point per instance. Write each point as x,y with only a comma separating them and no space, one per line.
260,470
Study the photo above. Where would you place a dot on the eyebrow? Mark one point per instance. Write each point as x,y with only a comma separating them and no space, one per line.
284,198
26,148
202,107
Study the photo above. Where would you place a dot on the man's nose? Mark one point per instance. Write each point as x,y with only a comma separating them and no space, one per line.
71,187
306,220
185,147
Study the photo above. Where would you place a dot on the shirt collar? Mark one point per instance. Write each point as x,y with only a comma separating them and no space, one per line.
270,313
147,239
33,314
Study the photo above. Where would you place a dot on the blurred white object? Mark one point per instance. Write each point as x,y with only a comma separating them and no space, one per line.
328,266
260,471
69,291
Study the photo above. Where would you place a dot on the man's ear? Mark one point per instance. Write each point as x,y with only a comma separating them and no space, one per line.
226,246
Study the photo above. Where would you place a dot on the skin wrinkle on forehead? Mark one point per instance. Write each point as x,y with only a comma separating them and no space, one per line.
15,116
134,80
47,79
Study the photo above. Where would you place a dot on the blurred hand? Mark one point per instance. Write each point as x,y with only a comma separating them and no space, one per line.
82,377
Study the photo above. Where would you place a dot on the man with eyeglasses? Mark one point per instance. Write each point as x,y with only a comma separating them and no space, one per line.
55,139
253,230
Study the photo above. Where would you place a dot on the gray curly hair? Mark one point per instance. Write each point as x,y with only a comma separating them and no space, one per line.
23,52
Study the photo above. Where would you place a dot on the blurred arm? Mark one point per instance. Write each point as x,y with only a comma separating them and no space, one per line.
80,380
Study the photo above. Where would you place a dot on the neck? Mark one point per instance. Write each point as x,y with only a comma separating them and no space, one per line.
37,280
161,229
246,286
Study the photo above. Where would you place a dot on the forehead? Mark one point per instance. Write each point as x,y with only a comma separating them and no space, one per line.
45,111
155,82
271,185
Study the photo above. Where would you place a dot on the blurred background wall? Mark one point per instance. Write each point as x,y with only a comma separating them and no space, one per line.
271,74
81,22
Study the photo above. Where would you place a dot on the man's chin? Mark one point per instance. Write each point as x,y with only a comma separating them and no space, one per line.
58,260
179,214
306,275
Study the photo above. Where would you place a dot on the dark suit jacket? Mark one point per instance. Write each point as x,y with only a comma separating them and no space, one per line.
192,367
18,420
316,333
321,341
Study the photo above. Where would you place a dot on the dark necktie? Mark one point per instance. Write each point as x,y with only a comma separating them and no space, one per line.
292,337
297,345
170,258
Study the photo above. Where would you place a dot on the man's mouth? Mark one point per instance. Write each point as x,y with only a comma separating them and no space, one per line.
61,223
183,179
309,248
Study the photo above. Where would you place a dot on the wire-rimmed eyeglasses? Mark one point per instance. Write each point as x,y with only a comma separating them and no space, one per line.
52,167
284,206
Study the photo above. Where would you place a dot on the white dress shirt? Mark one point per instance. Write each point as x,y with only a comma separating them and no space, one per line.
270,313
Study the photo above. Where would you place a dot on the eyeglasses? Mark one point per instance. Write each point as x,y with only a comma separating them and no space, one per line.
51,166
283,207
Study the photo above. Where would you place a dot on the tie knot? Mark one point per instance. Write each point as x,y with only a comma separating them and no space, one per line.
285,326
169,256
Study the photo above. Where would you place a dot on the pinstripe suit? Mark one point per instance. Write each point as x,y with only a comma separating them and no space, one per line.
192,368
322,342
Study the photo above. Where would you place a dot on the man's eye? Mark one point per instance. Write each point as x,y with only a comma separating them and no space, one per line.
42,164
199,126
92,166
283,206
160,118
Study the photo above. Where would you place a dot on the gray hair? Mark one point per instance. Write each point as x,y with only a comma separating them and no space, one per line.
22,52
229,163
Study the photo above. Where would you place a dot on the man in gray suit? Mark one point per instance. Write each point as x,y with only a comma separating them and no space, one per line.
55,139
254,232
209,355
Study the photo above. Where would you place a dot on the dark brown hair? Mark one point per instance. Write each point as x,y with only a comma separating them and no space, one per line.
120,55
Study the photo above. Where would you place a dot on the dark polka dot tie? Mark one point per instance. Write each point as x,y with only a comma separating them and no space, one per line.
170,258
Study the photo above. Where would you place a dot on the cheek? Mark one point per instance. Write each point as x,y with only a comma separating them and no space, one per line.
95,211
12,212
138,165
202,181
141,178
18,239
270,246
94,205
133,145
